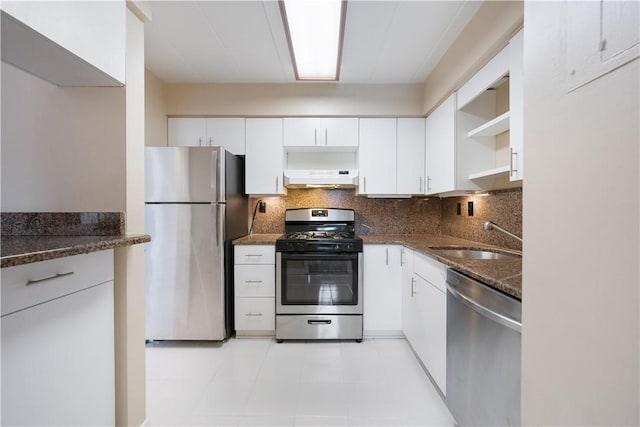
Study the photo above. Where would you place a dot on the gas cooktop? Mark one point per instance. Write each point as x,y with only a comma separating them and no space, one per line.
319,230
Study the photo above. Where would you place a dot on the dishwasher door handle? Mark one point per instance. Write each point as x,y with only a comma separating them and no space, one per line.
484,311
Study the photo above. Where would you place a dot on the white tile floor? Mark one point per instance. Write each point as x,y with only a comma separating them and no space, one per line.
257,382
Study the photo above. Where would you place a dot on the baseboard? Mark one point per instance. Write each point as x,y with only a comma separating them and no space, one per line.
255,334
383,334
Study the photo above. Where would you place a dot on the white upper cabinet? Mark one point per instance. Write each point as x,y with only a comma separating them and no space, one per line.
411,158
377,156
441,148
264,161
337,133
516,107
227,132
391,157
186,132
489,123
68,43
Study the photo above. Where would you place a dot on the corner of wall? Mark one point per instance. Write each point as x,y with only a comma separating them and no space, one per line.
489,30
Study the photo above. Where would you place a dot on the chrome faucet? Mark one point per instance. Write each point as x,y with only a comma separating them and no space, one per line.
493,226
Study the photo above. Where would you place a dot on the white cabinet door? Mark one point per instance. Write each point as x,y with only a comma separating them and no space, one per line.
227,132
264,159
377,156
303,132
255,254
411,158
255,314
255,290
187,132
441,148
410,324
432,340
340,132
382,288
58,361
516,106
321,132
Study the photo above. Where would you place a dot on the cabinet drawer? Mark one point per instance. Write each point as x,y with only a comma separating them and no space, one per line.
431,270
26,285
255,314
255,254
255,280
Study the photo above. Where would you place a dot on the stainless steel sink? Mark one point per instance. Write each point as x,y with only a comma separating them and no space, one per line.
475,253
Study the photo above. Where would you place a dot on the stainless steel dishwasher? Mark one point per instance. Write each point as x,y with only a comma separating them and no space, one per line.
483,353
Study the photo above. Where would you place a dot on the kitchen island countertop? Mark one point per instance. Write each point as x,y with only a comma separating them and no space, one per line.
40,236
18,250
502,274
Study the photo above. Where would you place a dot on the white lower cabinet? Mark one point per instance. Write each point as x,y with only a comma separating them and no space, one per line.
58,363
425,316
255,314
254,290
382,309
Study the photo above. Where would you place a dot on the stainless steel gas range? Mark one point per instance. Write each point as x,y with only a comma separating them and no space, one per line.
319,276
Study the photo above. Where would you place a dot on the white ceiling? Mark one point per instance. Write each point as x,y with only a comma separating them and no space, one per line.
243,41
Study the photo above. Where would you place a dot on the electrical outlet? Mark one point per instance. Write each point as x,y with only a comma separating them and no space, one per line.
470,208
262,207
459,208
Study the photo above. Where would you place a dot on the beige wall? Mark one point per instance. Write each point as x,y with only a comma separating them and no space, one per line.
295,99
155,110
489,30
129,261
581,325
62,148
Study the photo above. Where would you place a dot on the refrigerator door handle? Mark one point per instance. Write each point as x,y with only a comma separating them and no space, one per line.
220,222
215,179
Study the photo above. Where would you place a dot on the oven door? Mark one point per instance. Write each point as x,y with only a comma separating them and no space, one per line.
318,283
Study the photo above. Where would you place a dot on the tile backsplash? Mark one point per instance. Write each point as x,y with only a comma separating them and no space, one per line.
419,215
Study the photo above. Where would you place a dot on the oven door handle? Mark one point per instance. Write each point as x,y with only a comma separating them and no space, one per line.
319,322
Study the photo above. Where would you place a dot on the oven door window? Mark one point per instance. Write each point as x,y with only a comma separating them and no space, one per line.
319,279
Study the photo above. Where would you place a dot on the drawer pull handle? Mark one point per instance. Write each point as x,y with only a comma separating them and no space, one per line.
253,255
252,281
319,322
56,276
254,314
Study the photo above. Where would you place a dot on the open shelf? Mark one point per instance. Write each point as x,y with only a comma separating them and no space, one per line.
491,173
492,128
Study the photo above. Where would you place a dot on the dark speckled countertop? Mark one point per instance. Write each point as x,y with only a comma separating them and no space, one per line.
503,274
40,236
18,250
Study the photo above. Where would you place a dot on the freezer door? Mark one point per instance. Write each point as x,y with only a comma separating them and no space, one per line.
183,174
184,281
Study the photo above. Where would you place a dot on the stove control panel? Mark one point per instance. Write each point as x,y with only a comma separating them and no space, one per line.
328,246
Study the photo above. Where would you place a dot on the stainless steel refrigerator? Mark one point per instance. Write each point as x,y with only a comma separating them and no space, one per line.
195,206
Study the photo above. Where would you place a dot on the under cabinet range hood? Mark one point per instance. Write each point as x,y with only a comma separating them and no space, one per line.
317,178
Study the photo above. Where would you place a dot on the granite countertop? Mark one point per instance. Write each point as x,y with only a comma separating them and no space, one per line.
18,250
257,239
40,236
502,274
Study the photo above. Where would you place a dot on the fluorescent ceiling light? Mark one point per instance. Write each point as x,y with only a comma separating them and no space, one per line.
315,30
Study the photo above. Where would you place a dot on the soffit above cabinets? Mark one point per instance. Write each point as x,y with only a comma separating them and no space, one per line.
244,41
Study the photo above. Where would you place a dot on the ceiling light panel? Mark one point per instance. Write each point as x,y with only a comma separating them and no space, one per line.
314,31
